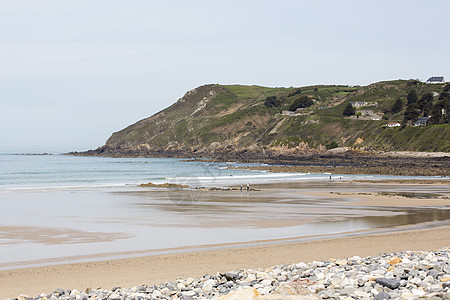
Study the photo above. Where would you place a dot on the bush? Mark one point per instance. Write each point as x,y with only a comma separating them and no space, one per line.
296,92
332,145
411,114
272,101
302,102
412,97
412,82
397,106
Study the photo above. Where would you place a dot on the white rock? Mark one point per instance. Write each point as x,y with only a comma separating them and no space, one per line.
320,275
208,285
114,296
408,296
180,286
165,291
264,291
417,292
157,294
348,282
361,294
251,277
262,275
341,262
266,282
189,293
415,280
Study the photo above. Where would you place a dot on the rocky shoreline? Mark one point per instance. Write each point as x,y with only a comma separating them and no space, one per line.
348,162
403,275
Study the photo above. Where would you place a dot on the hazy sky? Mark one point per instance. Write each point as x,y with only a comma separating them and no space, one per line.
74,71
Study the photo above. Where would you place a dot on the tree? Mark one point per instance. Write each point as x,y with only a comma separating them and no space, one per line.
301,102
397,106
349,110
412,97
447,87
411,114
296,92
443,95
272,101
424,101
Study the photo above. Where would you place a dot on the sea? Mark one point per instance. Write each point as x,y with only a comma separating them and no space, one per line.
61,209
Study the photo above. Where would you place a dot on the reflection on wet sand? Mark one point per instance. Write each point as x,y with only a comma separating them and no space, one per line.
296,204
53,236
133,221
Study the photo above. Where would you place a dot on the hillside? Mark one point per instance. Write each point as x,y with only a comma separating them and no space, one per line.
221,120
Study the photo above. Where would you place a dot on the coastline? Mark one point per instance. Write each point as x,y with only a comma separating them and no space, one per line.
158,269
359,162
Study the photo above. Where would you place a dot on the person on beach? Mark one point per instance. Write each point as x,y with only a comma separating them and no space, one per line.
248,186
241,187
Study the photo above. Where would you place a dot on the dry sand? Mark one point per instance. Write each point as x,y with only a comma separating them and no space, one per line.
157,269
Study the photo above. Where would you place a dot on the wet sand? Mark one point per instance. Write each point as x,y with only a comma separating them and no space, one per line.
157,269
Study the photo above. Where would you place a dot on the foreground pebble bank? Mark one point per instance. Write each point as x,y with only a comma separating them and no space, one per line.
404,275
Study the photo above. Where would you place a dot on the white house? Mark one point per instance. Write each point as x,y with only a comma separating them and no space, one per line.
288,113
436,79
391,125
358,104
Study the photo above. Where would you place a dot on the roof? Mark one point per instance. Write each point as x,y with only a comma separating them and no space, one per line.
438,79
423,118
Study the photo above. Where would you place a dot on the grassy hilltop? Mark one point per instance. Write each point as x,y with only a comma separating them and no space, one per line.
227,118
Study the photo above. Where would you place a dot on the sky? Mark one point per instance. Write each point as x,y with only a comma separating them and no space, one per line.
73,72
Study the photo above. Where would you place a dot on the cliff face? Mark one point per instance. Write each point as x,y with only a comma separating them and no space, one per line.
217,120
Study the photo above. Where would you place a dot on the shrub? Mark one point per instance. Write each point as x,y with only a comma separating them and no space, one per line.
301,102
332,145
272,101
296,92
397,106
349,110
412,97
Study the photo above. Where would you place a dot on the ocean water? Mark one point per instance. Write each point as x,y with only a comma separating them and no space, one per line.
58,208
44,172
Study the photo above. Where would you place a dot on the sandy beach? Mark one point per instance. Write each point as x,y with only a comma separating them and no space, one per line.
158,269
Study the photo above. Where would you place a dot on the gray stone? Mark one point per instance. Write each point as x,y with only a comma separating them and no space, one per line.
388,282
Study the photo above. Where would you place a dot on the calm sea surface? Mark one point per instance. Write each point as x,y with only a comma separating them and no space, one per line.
58,208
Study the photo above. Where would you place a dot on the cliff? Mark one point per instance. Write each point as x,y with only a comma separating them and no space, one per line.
232,121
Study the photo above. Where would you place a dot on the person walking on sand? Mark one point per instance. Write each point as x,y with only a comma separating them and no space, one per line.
241,187
248,186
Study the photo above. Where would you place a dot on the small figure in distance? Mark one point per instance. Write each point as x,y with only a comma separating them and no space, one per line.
248,186
241,187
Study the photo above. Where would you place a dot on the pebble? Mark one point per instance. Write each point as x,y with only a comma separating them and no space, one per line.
403,275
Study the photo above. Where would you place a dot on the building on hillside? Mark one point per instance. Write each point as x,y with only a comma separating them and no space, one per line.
392,125
289,113
358,104
436,79
367,112
422,121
